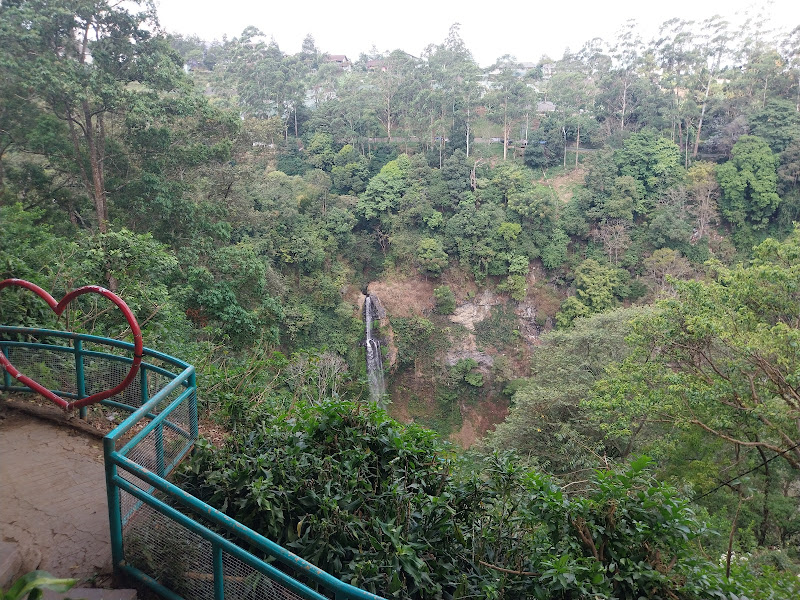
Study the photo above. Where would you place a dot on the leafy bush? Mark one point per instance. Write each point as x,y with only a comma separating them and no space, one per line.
445,300
388,508
345,487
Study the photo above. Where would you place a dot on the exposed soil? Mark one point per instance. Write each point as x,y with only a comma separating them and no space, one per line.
404,296
413,390
478,420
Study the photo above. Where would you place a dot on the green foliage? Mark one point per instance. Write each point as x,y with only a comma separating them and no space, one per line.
464,370
555,252
320,151
387,508
777,123
546,420
651,161
500,329
30,251
445,300
413,338
540,156
516,285
31,585
232,290
350,171
431,257
329,483
596,290
385,189
749,184
721,356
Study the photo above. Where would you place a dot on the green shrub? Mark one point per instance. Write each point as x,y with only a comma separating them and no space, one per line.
445,300
388,508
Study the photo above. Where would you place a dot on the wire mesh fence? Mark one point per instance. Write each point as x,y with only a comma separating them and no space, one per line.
54,369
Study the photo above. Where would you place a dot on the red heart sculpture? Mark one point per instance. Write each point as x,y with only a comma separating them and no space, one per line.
58,308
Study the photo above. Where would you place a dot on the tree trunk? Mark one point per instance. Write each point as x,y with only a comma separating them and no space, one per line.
577,145
95,148
764,529
686,149
527,125
389,118
505,129
702,114
624,106
467,128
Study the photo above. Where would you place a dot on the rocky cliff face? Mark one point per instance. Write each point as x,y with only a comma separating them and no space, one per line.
469,314
424,392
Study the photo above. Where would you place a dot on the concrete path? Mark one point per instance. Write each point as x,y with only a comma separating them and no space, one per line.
53,498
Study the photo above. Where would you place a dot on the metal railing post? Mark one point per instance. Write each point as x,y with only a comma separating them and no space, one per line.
6,374
160,450
80,377
219,574
193,406
114,511
145,391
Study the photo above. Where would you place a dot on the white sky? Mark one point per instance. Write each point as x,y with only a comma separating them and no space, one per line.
526,30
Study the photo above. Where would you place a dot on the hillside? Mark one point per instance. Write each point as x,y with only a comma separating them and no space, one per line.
581,262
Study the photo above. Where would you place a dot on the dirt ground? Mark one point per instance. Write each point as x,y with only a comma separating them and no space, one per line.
405,297
53,498
478,420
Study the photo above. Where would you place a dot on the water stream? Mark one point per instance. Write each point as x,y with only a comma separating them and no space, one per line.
377,387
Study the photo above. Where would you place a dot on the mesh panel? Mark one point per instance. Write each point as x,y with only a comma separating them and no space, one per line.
243,582
103,374
177,558
145,453
176,438
129,504
156,382
175,433
53,369
182,561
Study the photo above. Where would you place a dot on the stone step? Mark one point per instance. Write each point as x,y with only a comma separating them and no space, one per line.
90,594
10,564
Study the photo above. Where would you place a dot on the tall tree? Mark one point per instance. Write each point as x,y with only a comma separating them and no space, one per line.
721,356
454,74
506,101
749,184
88,61
717,37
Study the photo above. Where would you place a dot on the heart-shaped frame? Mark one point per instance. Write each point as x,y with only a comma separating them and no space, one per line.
58,308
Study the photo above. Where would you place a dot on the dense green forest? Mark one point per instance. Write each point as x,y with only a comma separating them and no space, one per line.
598,254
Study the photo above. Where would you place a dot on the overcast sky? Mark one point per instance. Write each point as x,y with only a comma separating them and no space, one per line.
526,30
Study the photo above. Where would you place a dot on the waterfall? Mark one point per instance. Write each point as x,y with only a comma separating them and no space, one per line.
374,359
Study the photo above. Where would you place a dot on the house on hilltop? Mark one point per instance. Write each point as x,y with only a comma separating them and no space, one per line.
339,59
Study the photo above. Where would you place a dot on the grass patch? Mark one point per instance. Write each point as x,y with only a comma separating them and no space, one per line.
500,329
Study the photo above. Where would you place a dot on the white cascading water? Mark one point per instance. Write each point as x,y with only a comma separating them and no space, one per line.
374,359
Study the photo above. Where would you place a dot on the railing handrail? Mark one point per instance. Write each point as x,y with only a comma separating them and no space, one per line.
91,338
117,458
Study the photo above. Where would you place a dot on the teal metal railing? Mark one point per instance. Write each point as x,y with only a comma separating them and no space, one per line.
161,535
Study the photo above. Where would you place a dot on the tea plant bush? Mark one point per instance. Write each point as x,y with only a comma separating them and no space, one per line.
390,508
